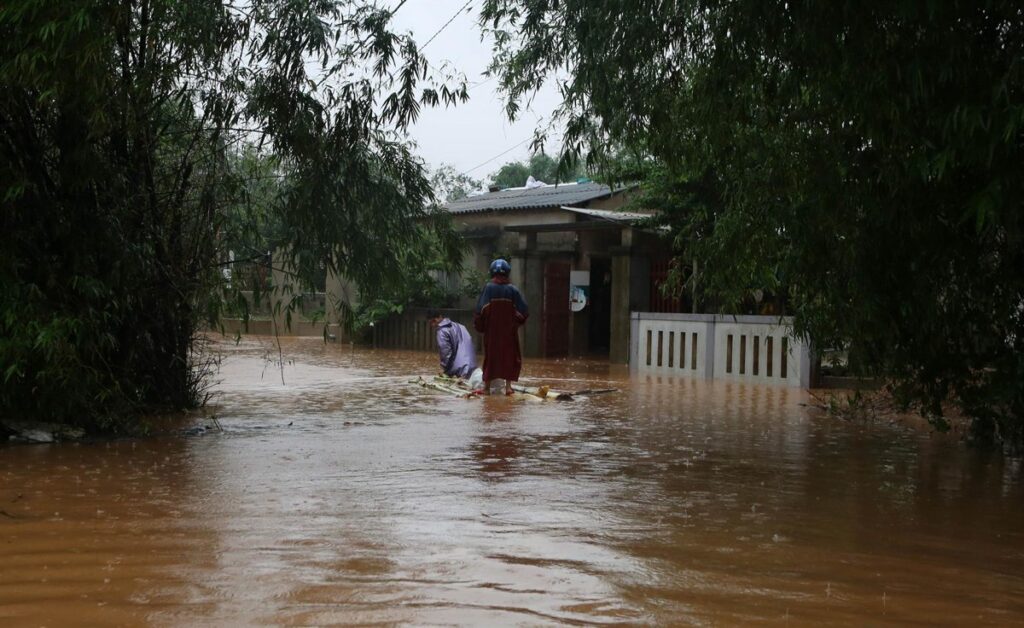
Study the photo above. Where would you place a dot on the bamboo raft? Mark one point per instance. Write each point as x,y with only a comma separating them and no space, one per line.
460,388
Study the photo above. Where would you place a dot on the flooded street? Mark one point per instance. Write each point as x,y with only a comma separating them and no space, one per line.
345,495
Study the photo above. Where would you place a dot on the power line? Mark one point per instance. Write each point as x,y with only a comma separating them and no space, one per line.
450,20
479,83
471,86
506,151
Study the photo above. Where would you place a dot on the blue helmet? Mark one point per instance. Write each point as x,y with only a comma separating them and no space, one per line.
500,267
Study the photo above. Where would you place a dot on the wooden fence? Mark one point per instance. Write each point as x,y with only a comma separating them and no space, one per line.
411,330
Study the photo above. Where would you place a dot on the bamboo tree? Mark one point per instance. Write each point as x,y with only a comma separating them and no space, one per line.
122,123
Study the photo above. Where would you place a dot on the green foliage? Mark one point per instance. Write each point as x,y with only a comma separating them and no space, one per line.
423,284
473,281
541,166
512,175
140,140
864,158
451,185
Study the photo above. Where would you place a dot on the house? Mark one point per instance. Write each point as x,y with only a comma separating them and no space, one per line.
566,240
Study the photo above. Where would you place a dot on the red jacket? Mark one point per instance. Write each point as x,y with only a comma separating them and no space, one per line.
500,311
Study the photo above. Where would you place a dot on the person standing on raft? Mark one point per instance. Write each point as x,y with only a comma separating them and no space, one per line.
500,310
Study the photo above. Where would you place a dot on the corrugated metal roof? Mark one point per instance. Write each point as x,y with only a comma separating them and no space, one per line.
613,215
522,198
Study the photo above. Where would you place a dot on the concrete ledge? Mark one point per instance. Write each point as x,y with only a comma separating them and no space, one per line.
747,319
38,431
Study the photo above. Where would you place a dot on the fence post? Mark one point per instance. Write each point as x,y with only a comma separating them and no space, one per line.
805,364
633,358
709,350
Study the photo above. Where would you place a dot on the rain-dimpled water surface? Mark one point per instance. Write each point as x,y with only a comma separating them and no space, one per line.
338,493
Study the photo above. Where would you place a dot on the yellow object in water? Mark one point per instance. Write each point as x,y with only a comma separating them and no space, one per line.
542,392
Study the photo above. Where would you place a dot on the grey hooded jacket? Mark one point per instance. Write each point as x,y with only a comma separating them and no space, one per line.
455,345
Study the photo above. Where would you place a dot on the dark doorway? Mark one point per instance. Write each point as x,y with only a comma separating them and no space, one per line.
555,318
600,304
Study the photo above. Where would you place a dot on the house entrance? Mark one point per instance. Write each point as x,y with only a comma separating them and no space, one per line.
555,316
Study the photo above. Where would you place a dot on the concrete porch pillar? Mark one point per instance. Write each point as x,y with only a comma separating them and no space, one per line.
631,272
528,276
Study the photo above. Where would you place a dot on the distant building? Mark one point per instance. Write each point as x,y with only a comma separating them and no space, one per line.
565,241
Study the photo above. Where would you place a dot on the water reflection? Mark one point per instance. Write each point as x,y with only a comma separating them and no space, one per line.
338,493
496,456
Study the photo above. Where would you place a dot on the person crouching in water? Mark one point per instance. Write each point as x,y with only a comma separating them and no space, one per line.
500,310
454,344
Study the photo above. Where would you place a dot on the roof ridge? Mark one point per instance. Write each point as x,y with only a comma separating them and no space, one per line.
550,195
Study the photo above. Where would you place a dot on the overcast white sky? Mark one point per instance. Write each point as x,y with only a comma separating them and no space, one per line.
471,133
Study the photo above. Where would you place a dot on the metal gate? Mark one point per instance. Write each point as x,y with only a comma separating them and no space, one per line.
555,315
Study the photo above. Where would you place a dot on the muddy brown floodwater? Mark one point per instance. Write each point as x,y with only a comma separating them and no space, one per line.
344,496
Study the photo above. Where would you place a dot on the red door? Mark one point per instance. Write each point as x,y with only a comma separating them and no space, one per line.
555,316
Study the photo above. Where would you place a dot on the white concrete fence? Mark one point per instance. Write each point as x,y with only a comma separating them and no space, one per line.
757,349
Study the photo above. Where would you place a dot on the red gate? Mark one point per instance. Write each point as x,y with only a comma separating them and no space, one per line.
658,301
555,316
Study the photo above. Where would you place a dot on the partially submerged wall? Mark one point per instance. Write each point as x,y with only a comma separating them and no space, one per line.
759,349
